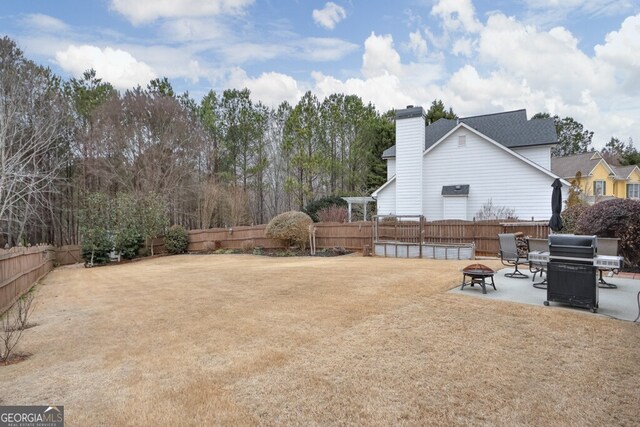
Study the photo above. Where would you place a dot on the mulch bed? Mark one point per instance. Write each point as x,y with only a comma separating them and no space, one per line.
291,252
15,358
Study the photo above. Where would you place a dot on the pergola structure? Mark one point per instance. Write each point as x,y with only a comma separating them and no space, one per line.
358,201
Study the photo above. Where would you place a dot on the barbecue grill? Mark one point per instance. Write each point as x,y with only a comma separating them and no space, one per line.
571,271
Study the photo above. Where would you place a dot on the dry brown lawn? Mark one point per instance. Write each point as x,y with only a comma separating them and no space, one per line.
245,340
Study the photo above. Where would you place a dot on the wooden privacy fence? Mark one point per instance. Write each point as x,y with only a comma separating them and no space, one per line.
355,235
20,268
350,236
242,237
483,233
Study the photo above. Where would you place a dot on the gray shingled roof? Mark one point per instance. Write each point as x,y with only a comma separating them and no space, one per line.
511,129
622,171
436,130
389,152
455,190
567,166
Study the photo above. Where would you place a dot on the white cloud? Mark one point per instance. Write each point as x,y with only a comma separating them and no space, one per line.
270,88
384,91
457,15
417,44
592,7
325,49
144,11
43,22
620,50
163,59
239,53
380,57
387,82
329,16
192,29
462,47
550,60
116,66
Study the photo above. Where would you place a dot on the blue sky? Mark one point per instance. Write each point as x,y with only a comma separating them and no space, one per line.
574,58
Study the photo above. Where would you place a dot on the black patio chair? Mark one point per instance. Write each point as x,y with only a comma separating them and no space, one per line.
538,245
607,246
509,255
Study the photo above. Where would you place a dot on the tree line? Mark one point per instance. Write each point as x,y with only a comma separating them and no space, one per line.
68,148
223,161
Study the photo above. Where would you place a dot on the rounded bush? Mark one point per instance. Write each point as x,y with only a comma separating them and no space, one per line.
176,240
292,226
615,218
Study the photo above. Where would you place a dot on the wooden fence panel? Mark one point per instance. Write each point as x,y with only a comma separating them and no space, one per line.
20,268
231,238
70,254
483,233
353,236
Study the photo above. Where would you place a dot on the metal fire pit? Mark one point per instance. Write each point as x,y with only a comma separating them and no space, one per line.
477,275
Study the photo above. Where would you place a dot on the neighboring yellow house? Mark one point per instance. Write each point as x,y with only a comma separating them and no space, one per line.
597,179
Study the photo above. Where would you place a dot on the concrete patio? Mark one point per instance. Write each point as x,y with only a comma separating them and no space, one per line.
620,303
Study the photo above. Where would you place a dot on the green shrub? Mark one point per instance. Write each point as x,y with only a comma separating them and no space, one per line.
176,240
127,242
615,218
95,223
292,226
97,244
312,208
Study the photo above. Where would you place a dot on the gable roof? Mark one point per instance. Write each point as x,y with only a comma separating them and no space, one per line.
568,166
623,172
389,152
510,128
486,138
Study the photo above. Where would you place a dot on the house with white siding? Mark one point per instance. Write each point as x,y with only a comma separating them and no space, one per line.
451,168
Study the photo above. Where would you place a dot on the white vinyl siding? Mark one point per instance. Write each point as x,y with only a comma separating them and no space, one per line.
454,207
409,148
493,174
386,200
391,168
540,155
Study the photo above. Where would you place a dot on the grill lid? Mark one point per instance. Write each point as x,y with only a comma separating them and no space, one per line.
569,245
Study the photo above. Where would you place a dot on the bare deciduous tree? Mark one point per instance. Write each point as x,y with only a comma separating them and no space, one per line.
32,136
13,323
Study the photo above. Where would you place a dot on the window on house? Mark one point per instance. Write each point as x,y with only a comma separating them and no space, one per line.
599,188
462,140
633,191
